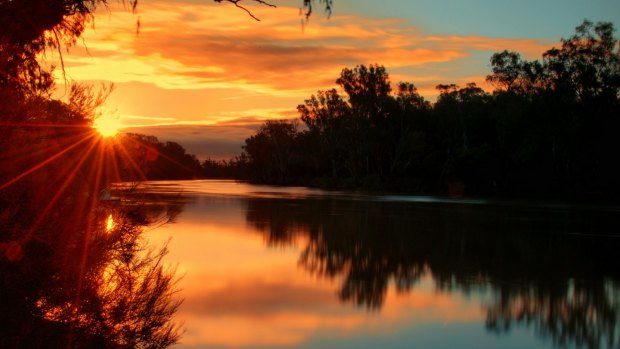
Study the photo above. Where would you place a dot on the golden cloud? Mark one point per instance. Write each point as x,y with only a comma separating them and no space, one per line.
202,63
198,46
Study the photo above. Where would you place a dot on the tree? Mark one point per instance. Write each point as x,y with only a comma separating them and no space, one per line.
463,123
512,74
368,89
587,65
406,129
217,169
463,105
548,130
374,136
269,151
142,157
326,116
558,117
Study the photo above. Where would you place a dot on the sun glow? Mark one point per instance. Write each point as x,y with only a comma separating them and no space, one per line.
107,125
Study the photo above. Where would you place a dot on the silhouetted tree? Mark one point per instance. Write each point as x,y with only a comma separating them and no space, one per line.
269,151
556,116
368,90
217,169
327,117
148,158
373,133
465,125
406,131
548,130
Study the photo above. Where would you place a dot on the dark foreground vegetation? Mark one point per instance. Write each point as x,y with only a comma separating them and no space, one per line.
549,129
75,270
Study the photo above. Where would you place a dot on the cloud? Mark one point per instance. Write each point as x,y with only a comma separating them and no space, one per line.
203,63
252,313
183,45
261,299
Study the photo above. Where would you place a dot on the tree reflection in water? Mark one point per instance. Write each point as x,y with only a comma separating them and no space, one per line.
549,268
75,271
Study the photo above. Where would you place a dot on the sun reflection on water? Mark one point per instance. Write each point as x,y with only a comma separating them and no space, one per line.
109,224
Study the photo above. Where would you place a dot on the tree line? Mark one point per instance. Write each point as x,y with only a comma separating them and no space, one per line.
548,129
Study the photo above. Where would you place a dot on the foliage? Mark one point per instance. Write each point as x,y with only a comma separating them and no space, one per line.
142,157
67,279
58,253
548,130
271,151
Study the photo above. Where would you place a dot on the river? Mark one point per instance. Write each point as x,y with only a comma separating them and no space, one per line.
291,267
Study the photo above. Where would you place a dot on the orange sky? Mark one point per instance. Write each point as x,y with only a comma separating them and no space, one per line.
206,74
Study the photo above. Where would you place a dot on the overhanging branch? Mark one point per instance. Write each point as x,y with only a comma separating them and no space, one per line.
236,3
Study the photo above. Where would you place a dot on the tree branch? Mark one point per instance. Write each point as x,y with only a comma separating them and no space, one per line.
236,3
308,7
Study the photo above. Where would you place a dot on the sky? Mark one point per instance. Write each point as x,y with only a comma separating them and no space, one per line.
207,75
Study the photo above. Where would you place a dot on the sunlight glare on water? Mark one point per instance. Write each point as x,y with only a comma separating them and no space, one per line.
266,266
109,223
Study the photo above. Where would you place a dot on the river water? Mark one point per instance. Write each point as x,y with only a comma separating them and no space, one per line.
290,267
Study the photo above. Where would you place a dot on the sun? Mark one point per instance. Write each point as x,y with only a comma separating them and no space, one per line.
107,125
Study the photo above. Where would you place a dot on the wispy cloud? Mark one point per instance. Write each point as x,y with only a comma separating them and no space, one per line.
202,63
188,46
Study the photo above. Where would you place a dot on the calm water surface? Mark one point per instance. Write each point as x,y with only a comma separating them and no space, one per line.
274,267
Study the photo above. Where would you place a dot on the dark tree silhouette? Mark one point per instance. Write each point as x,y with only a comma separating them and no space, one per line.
368,89
556,116
327,116
547,131
269,151
142,157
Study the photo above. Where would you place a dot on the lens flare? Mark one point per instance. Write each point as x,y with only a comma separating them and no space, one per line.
107,125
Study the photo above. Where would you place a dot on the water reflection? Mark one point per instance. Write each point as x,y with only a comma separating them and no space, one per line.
550,269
